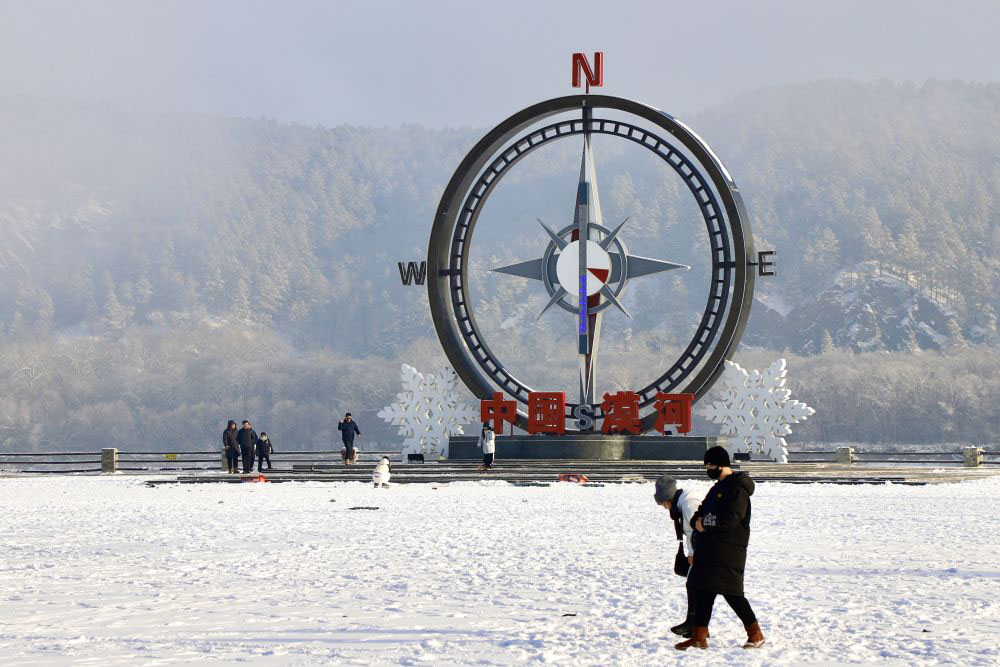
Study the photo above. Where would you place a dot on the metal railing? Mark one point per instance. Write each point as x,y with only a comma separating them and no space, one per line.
181,461
201,460
862,455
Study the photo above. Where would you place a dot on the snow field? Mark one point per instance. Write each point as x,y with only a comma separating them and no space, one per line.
110,571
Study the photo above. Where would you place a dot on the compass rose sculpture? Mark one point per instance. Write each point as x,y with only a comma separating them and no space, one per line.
586,266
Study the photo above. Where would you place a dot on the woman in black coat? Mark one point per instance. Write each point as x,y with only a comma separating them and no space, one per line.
231,447
722,533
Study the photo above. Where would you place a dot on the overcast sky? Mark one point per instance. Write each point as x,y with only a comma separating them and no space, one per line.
442,63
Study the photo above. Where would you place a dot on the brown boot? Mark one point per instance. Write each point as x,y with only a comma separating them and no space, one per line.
699,639
755,638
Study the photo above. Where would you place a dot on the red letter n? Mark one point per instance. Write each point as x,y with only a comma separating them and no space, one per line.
595,77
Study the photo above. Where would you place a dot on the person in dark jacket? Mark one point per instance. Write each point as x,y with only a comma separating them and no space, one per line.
231,447
264,450
348,429
722,533
248,440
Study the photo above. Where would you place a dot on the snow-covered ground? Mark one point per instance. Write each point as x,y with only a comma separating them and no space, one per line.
109,571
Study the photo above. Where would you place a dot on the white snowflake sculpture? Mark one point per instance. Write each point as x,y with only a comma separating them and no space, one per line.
756,410
429,410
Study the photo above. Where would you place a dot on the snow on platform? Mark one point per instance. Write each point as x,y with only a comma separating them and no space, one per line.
113,571
547,471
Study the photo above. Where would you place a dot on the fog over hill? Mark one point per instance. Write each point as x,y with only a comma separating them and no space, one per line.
160,274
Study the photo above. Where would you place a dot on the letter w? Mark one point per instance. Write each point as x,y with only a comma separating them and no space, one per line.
595,77
410,273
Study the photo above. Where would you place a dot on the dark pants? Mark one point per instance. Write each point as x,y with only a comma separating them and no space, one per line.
260,461
232,458
487,460
703,601
247,458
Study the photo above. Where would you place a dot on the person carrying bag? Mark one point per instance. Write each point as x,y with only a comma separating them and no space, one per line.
682,506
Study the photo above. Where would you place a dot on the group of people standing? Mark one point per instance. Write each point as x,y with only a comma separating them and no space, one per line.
712,553
245,444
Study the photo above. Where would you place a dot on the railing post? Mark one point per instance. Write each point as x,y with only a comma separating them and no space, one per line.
972,456
845,455
109,460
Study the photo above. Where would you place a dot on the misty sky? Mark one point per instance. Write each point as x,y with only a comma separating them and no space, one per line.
443,63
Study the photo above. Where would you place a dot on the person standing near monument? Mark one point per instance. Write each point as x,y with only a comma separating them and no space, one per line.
264,450
722,533
231,447
682,505
487,439
348,429
248,440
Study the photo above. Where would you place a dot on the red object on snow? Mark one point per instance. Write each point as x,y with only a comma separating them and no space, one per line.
573,477
253,478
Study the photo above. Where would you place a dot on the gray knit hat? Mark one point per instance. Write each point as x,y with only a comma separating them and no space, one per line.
666,487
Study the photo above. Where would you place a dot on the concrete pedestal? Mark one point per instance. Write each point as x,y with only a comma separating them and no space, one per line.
972,456
589,446
845,455
109,460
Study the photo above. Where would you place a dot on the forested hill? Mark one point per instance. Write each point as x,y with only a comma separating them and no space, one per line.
206,266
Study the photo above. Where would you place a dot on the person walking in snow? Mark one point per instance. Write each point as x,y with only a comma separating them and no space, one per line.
248,440
487,440
682,505
231,448
264,450
382,473
722,533
348,429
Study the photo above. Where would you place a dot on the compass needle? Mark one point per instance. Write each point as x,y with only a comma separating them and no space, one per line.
610,238
560,293
610,296
644,266
558,240
532,269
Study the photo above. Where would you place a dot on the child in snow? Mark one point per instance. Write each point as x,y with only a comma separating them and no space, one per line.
264,451
487,440
382,473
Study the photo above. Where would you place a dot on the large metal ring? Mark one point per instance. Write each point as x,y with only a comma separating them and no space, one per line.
731,291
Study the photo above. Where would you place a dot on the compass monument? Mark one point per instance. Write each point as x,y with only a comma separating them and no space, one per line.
585,267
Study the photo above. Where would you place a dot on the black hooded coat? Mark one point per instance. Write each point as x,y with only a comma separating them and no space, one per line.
720,553
229,439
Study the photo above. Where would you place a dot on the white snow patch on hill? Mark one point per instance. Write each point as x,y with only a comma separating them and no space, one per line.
111,571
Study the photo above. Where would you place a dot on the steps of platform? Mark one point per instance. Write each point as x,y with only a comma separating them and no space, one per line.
535,471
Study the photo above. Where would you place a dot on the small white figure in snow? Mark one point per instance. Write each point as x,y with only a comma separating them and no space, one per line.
382,473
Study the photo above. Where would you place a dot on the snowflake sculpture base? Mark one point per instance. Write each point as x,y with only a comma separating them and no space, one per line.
756,410
429,410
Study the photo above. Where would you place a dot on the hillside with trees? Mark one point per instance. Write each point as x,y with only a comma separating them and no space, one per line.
160,274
